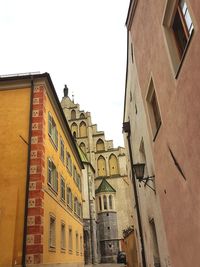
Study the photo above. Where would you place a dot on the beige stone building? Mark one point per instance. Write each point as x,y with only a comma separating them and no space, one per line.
112,207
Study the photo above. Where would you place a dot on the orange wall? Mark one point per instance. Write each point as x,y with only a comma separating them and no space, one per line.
14,121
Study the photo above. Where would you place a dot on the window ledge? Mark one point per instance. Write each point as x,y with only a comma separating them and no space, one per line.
183,56
63,250
52,189
52,249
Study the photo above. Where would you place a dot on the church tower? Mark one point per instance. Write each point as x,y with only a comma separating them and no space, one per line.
109,204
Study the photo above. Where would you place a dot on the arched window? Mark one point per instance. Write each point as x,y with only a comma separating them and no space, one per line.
83,129
110,202
82,116
74,129
101,165
73,114
113,165
83,147
105,206
100,145
100,206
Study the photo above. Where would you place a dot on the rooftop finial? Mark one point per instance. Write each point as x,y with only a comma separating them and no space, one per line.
66,91
73,97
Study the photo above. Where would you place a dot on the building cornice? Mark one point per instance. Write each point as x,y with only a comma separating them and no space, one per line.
131,12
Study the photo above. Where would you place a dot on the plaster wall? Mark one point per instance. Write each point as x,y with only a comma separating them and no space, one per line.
14,121
178,99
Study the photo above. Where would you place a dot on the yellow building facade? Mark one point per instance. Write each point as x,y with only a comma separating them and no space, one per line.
41,172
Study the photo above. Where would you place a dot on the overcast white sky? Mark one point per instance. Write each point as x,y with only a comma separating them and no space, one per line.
81,43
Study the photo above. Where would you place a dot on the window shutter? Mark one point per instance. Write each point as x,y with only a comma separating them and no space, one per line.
56,180
56,137
49,123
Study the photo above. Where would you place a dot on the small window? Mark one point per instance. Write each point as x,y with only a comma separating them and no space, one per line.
63,236
52,175
82,116
62,149
52,130
100,145
70,240
52,232
62,188
153,108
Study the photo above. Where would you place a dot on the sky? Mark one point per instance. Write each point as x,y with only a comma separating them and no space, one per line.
80,43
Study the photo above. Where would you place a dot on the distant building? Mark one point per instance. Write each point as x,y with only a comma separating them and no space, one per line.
161,126
41,176
111,205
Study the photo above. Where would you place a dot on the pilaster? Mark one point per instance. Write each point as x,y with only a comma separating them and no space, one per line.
35,220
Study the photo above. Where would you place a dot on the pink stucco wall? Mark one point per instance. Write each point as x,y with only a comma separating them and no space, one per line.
179,102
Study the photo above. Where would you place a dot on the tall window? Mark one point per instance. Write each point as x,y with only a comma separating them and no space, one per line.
62,149
52,232
101,164
154,243
100,206
83,129
113,165
75,205
63,236
77,244
81,245
52,175
154,112
73,114
69,197
62,188
52,130
105,206
68,162
70,240
110,202
178,29
74,129
182,26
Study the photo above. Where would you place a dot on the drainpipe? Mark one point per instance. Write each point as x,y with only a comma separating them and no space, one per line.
27,179
127,129
91,219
